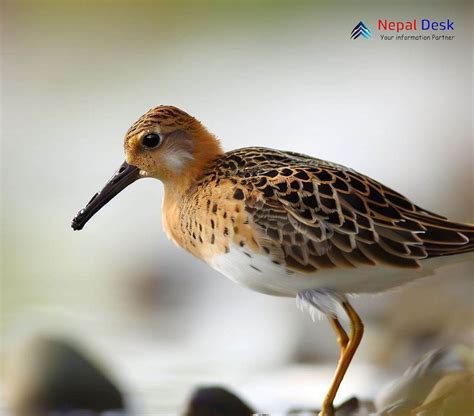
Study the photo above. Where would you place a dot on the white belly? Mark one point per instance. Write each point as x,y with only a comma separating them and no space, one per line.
259,273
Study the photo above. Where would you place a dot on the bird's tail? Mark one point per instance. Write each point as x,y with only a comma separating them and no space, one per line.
443,237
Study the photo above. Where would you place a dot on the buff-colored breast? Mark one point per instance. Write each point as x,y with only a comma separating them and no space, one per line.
208,219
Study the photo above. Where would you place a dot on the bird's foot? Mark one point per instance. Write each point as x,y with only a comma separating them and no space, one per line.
327,411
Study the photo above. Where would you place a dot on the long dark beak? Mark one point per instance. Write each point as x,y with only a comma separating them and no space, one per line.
126,175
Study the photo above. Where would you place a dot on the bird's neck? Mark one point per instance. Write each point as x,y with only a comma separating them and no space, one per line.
207,148
179,189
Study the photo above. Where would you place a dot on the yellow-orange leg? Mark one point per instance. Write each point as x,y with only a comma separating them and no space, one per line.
342,338
348,348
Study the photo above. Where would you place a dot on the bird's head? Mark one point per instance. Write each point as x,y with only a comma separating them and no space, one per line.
165,143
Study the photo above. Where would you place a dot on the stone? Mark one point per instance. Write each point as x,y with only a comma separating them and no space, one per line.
216,401
52,376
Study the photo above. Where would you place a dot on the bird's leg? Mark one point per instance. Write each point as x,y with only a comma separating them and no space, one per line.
342,338
347,352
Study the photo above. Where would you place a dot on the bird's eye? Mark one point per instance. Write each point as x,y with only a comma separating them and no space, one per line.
151,140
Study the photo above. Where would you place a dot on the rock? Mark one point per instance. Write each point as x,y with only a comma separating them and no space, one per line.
51,376
452,395
439,383
350,407
216,401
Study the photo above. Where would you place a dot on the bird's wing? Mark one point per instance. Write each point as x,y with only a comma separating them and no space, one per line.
328,216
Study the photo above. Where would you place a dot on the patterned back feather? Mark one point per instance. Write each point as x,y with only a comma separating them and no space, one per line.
321,215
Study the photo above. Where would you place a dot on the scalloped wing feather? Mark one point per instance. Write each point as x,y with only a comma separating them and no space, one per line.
322,215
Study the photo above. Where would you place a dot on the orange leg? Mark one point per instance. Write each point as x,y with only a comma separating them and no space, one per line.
348,349
342,338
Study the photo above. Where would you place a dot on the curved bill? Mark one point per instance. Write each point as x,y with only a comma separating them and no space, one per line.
125,175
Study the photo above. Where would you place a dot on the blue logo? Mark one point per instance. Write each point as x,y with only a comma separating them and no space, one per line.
361,29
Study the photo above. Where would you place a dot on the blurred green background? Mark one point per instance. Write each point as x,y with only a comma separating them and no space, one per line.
76,74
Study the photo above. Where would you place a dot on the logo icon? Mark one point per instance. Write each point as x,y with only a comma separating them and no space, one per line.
361,29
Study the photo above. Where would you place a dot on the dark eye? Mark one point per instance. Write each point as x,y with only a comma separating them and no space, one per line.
151,140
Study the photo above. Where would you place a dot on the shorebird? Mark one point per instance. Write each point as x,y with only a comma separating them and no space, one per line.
284,223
